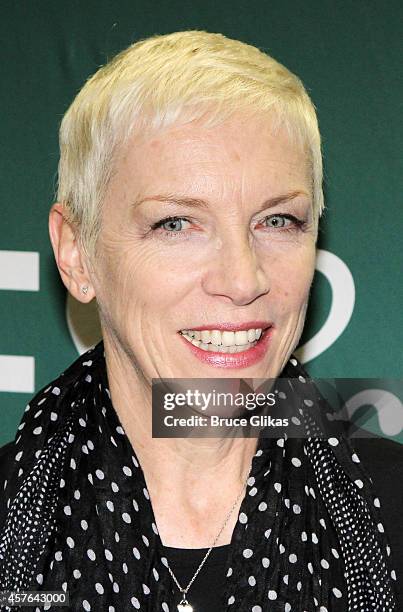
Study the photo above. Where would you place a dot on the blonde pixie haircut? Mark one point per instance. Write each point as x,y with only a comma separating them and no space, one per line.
173,78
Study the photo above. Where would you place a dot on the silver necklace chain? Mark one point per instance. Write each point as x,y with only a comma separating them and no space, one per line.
185,590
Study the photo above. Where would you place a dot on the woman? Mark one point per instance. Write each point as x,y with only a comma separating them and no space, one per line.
188,207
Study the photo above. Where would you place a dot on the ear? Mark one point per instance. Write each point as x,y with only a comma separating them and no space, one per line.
69,259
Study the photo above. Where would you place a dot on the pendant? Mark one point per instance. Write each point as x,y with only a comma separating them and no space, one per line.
184,606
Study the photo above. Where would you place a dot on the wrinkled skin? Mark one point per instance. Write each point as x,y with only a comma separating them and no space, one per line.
233,260
225,264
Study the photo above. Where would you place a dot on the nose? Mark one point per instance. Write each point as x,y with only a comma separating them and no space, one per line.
236,272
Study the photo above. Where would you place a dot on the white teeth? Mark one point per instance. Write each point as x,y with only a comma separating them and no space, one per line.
246,346
229,349
215,337
223,342
251,335
228,338
205,336
241,337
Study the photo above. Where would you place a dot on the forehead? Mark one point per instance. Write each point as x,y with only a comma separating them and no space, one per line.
241,155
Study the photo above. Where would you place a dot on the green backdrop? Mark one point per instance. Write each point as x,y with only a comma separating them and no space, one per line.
348,53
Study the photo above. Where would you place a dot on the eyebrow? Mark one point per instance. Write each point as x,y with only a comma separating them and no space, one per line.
203,204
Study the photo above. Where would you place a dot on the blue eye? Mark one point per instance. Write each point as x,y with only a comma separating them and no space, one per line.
280,221
170,224
276,221
173,226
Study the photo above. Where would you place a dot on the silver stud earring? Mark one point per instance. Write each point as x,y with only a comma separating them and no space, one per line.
84,289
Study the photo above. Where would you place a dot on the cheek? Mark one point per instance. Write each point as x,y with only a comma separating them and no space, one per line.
291,281
118,278
135,280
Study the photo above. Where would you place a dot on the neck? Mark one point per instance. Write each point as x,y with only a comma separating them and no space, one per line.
200,457
200,475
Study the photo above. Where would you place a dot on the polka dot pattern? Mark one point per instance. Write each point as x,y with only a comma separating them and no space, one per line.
309,534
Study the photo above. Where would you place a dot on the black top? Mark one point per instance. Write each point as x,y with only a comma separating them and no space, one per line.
383,460
310,531
206,591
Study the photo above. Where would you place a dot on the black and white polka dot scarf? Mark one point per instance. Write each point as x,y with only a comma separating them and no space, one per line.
309,536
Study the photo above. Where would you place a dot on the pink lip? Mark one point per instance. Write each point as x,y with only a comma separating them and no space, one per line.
244,359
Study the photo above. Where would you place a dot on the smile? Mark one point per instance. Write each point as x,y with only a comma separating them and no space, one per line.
223,341
229,345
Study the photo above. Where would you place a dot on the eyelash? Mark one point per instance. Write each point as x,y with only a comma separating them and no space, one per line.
299,224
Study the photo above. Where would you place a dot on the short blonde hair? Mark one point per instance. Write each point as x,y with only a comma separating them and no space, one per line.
162,80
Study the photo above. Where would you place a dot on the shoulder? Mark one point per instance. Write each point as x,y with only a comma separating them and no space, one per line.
382,459
45,415
7,453
381,456
6,457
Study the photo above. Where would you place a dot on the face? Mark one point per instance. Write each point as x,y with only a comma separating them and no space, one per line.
207,251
